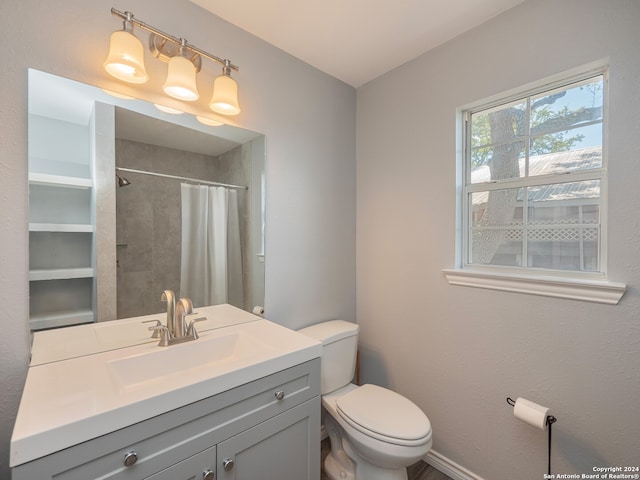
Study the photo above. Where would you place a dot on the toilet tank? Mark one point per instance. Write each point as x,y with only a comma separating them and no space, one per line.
339,346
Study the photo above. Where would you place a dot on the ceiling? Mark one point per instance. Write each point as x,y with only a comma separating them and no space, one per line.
356,40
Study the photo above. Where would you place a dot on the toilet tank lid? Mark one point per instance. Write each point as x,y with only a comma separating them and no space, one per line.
331,331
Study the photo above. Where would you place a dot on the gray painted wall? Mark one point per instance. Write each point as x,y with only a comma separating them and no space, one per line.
458,352
472,347
307,116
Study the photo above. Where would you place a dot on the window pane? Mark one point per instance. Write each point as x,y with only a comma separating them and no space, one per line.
496,227
546,197
564,226
502,124
498,162
576,149
578,138
497,247
560,109
566,248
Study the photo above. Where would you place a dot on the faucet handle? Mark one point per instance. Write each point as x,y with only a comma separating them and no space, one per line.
156,333
164,335
191,329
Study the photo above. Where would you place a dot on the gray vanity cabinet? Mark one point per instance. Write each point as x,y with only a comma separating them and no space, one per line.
199,467
282,448
268,428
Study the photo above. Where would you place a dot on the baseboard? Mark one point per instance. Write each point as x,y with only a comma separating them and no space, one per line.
449,467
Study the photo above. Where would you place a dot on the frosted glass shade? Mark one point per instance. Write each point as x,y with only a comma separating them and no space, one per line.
181,80
126,58
172,111
225,96
210,122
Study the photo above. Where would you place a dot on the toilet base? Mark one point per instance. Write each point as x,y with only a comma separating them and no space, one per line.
344,463
337,470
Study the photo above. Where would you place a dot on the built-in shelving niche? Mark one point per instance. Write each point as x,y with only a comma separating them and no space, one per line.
61,224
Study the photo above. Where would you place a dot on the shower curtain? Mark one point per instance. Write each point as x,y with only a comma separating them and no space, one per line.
211,266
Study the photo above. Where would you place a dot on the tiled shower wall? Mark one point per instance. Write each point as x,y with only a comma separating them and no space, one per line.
148,226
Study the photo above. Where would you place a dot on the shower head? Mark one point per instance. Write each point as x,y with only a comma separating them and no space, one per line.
122,182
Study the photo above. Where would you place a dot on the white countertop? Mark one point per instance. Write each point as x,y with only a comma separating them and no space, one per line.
68,402
81,340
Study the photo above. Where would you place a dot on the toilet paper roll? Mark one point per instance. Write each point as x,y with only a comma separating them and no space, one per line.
258,310
531,413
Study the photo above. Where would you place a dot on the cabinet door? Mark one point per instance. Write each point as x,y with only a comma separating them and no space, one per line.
285,447
198,467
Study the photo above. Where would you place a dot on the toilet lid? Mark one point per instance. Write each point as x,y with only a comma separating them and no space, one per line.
384,414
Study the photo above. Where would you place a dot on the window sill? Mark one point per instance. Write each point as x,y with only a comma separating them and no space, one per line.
577,289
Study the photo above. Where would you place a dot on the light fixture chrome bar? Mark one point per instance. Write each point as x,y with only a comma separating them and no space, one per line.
186,179
128,17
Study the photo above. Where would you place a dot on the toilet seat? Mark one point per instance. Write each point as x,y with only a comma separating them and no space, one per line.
367,408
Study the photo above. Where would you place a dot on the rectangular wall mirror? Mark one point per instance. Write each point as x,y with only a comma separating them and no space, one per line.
126,201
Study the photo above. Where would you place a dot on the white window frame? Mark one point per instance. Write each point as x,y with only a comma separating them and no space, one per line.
588,286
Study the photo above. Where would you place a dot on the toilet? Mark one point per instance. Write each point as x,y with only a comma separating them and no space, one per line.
375,433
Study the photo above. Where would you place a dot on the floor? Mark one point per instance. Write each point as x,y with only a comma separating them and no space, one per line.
417,471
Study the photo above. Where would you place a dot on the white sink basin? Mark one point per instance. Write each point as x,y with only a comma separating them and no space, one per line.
70,401
211,353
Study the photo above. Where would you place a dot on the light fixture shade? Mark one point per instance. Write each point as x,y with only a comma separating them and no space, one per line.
209,122
126,58
181,79
225,96
165,109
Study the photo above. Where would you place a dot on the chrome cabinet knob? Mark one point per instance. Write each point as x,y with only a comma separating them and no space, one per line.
130,458
227,464
279,394
208,475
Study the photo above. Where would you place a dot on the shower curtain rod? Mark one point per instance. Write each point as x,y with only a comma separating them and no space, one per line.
195,180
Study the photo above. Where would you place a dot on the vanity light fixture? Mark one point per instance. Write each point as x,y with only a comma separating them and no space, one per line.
181,77
126,54
225,93
125,62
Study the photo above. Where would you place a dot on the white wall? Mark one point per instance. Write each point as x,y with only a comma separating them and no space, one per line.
458,352
307,116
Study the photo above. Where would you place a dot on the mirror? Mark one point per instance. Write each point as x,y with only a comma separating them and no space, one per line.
99,251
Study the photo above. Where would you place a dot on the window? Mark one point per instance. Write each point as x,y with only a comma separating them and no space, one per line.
534,183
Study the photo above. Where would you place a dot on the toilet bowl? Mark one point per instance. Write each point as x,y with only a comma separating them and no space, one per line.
375,433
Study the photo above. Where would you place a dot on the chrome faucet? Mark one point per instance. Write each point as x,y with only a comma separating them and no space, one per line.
184,307
177,329
170,298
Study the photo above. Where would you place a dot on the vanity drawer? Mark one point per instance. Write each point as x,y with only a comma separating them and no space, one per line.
165,440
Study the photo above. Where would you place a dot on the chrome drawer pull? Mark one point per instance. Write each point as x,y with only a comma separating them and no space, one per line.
130,458
227,464
280,394
208,475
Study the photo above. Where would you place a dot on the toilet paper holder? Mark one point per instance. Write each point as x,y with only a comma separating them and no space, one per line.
550,420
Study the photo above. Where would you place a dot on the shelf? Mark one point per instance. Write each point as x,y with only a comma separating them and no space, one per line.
60,274
59,180
60,319
61,227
